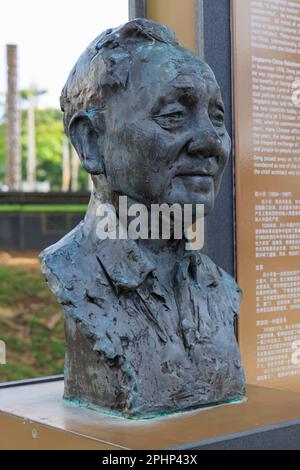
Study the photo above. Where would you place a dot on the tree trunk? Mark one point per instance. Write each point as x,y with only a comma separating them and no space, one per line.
13,158
31,159
66,174
75,168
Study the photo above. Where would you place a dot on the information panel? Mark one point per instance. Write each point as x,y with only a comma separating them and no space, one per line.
266,64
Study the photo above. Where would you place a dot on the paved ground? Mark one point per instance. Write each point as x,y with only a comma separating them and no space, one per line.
13,258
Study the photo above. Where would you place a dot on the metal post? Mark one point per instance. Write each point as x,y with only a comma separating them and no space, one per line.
137,9
199,29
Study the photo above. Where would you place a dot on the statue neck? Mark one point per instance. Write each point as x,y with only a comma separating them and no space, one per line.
102,195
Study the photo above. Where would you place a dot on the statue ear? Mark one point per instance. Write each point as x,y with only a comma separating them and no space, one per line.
87,136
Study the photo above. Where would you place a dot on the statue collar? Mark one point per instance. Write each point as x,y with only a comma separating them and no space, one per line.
125,263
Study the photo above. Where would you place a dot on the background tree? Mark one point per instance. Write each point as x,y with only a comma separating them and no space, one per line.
2,151
30,96
2,139
49,147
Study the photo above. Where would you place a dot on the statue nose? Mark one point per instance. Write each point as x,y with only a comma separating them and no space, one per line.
206,143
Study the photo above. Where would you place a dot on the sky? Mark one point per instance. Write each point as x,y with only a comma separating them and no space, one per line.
51,35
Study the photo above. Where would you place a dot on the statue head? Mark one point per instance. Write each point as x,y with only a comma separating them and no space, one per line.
147,116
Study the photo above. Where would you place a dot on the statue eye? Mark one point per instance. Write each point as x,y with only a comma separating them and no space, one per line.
170,121
217,116
218,119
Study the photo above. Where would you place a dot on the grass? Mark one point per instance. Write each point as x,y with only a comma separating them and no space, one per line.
43,208
34,346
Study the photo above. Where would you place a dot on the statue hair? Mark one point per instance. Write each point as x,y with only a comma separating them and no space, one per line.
105,65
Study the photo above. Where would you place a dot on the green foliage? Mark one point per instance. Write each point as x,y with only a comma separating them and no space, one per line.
52,208
49,144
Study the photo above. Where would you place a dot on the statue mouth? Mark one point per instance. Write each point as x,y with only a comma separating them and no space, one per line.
197,182
195,174
209,169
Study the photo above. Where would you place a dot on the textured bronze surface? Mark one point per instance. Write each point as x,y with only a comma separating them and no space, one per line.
149,325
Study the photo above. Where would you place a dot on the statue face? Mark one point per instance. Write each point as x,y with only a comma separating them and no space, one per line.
166,140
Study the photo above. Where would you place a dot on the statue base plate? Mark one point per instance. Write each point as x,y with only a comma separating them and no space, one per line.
35,416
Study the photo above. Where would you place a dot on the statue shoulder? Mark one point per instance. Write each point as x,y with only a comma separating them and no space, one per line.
229,284
60,261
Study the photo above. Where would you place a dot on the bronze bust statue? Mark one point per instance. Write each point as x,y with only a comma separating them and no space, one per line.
149,325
